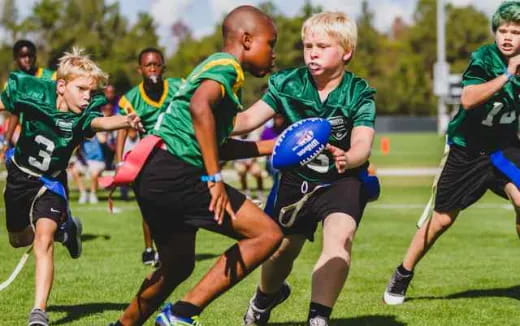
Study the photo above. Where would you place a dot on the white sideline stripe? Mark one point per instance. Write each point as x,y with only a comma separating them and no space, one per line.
421,206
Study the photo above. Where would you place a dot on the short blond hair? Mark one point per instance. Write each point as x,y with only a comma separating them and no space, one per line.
335,24
76,64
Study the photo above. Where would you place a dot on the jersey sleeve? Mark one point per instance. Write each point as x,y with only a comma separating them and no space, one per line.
476,73
271,96
228,73
9,95
364,106
125,107
92,112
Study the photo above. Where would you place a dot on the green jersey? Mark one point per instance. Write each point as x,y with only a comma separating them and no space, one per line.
292,93
48,136
175,125
493,125
136,100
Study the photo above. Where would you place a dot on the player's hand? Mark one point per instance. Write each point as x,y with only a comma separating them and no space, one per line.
219,201
513,65
340,158
135,122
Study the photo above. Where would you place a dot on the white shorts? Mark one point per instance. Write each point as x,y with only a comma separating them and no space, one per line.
92,167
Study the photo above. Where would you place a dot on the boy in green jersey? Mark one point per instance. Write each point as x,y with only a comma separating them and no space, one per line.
329,187
24,55
180,188
58,116
147,100
486,122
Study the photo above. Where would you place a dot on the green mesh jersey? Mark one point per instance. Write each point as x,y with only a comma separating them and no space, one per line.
493,125
175,126
351,104
48,136
136,100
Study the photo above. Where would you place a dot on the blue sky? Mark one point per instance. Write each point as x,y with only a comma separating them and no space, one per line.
202,15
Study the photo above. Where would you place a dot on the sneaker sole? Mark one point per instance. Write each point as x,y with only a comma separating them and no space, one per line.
392,300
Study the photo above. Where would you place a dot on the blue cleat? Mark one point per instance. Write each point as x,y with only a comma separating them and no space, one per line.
166,318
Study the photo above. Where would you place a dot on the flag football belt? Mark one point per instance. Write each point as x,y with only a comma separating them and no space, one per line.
133,162
287,215
132,165
508,168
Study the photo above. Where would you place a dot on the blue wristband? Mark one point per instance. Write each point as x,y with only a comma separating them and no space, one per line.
217,177
508,75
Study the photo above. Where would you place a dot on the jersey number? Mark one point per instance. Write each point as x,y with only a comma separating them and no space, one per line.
506,118
320,164
44,155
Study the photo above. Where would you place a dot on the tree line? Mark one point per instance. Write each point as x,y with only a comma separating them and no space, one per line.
398,63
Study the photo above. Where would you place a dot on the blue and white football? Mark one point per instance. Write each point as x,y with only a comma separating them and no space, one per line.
300,143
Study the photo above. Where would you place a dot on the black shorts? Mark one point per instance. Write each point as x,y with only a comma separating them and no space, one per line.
20,195
173,199
345,195
465,178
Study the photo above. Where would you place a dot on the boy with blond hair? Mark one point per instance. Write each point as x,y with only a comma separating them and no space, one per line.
486,123
328,189
58,116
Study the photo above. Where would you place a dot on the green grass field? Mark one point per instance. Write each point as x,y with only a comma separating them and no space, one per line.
469,278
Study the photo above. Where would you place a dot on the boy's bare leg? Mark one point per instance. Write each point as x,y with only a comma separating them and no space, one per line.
426,236
262,237
331,269
43,253
177,263
278,267
514,195
147,235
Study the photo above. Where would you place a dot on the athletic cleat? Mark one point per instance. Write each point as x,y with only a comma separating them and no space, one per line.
257,316
318,321
395,292
166,318
73,241
38,317
149,256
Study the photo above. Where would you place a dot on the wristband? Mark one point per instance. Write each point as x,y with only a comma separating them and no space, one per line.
217,177
508,75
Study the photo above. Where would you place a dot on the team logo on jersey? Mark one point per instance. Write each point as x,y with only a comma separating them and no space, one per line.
339,127
65,127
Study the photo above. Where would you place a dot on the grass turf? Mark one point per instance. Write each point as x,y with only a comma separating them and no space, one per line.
468,278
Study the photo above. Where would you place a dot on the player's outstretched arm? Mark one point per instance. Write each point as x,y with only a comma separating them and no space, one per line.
359,152
234,149
2,106
475,95
255,116
117,122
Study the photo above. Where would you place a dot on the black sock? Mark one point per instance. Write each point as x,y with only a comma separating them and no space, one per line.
263,300
403,271
185,309
316,309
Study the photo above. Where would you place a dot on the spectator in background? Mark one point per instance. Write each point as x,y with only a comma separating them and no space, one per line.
108,139
271,130
90,162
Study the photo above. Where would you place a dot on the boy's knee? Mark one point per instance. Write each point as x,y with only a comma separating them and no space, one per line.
444,221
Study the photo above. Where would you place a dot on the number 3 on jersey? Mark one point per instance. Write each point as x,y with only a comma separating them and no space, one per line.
44,155
505,118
